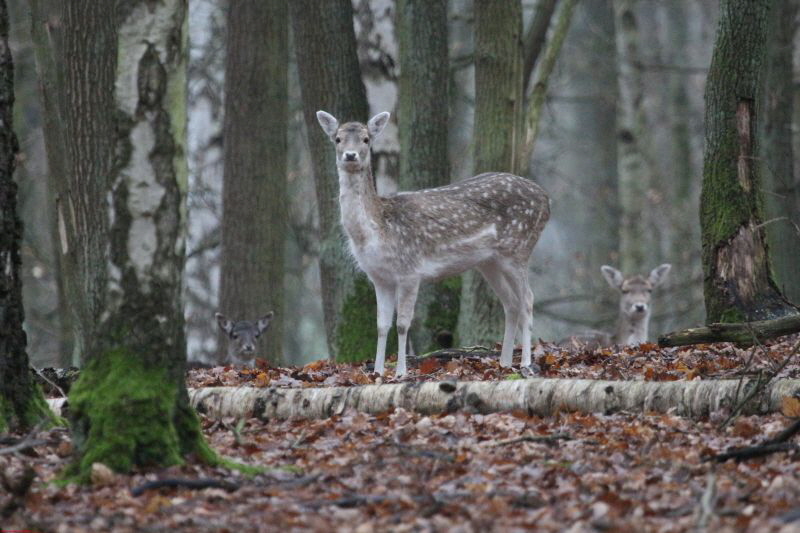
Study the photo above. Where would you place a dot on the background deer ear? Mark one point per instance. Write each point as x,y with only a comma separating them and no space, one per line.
224,324
377,123
263,322
613,276
659,274
328,122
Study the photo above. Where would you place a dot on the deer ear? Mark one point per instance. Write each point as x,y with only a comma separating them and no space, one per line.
263,322
223,323
377,123
613,276
328,122
659,274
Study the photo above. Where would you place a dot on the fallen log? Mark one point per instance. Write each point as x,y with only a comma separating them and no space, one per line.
539,396
743,333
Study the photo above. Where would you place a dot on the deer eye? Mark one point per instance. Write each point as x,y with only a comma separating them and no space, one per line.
625,291
235,336
366,140
338,140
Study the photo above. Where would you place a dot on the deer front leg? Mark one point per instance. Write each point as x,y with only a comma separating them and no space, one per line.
406,298
384,294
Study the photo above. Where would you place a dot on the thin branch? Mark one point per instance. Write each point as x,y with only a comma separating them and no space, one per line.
535,38
536,102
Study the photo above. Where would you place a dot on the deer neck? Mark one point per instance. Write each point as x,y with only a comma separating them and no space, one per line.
632,330
360,205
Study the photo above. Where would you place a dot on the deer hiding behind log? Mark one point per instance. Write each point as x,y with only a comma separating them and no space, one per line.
490,222
242,336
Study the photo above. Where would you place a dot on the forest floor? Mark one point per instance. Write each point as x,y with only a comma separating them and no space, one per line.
402,471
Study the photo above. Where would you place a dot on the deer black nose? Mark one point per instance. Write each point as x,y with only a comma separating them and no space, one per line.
350,156
640,307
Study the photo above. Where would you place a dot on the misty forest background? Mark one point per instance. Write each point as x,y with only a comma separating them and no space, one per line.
619,149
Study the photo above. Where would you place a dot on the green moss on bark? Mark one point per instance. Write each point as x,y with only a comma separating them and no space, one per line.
126,413
357,332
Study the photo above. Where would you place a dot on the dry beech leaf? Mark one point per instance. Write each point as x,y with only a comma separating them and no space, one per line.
790,406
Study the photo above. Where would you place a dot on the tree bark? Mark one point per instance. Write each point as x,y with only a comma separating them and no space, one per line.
738,281
22,404
782,198
76,100
422,118
636,237
254,199
539,396
498,126
330,80
130,405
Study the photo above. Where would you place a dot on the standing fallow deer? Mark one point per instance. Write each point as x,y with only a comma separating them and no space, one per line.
490,222
634,303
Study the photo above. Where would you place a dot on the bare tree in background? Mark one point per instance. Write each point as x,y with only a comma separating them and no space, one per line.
22,404
738,280
498,125
422,117
782,193
330,79
254,205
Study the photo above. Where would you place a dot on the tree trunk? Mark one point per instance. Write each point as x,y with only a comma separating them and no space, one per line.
498,124
422,119
738,280
130,406
254,197
76,97
330,80
539,396
782,199
636,237
21,402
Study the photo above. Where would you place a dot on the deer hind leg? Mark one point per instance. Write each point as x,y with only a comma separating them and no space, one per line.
506,290
384,294
406,298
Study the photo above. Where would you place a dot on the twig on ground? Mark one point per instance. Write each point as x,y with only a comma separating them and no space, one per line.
552,438
197,484
707,502
751,452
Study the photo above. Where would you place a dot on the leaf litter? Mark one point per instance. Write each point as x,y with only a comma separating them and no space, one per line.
402,471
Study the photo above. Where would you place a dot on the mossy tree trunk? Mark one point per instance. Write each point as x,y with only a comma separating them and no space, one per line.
498,124
130,406
422,118
254,195
22,404
738,280
330,79
782,198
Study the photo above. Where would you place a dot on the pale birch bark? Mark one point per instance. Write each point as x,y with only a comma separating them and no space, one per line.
539,396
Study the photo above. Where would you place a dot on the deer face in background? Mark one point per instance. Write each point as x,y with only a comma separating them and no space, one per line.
353,140
636,291
243,334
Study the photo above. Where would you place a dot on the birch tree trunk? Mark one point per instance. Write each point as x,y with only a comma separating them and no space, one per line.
635,172
330,79
422,117
22,405
130,405
739,285
540,397
498,126
782,198
254,202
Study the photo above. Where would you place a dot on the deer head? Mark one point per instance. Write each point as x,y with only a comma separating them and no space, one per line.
353,140
634,303
243,334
